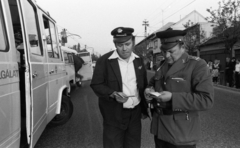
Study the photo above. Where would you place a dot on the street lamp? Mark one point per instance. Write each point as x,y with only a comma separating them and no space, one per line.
74,35
65,36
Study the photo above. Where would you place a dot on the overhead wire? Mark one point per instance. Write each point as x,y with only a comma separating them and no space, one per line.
163,10
161,5
156,9
175,12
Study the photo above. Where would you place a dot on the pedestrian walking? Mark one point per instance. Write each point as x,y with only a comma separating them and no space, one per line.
237,73
180,89
119,81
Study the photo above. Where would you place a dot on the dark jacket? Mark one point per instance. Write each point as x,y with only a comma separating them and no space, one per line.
190,83
107,79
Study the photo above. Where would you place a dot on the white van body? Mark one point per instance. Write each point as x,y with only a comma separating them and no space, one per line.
33,87
87,70
67,55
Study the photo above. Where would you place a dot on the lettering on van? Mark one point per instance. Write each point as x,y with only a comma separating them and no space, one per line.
4,74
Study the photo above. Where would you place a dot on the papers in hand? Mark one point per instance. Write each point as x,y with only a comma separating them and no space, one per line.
155,94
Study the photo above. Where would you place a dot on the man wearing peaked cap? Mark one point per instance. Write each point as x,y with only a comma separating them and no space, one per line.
185,85
170,38
122,34
119,80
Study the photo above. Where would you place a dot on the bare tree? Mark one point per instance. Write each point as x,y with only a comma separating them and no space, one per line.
227,23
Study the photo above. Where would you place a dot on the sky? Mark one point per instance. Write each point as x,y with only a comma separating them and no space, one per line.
93,20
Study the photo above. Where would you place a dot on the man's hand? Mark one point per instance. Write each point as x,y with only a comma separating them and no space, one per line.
147,94
164,97
119,96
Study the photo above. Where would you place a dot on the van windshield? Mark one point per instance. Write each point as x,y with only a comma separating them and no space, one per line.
2,32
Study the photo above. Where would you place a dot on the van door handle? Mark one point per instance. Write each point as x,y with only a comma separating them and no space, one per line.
34,75
52,71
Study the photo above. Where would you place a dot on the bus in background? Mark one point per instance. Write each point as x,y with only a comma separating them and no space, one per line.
86,71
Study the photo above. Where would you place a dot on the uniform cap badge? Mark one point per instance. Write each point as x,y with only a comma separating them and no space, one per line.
119,30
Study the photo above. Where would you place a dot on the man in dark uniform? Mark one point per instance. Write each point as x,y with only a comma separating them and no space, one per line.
185,87
119,80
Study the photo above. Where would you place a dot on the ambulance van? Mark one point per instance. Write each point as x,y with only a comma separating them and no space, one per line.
33,89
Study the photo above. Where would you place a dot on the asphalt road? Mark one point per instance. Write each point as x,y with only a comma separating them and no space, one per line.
220,125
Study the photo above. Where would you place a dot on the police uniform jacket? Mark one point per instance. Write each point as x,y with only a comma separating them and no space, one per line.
190,83
107,79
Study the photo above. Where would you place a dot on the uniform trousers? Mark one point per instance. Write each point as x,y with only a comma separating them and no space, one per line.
163,144
129,136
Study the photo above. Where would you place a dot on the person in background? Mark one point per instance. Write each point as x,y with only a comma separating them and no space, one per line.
119,80
180,89
209,65
237,73
215,71
232,67
159,60
228,72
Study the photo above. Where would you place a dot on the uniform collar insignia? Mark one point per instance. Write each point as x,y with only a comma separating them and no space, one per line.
140,67
183,60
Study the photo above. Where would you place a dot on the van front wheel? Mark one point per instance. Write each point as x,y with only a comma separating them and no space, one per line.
65,113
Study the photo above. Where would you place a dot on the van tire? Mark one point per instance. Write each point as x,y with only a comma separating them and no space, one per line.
65,113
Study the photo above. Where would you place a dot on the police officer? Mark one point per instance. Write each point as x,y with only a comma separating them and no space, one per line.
185,88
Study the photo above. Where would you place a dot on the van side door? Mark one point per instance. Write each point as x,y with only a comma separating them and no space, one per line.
56,66
36,72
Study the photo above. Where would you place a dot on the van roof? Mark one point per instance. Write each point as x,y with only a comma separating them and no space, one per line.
66,49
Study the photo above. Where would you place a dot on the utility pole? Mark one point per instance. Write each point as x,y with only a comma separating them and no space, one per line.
145,23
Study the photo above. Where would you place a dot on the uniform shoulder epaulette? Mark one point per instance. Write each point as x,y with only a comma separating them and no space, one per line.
194,58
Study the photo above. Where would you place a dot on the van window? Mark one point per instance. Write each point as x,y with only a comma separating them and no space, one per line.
54,40
51,38
32,28
3,40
